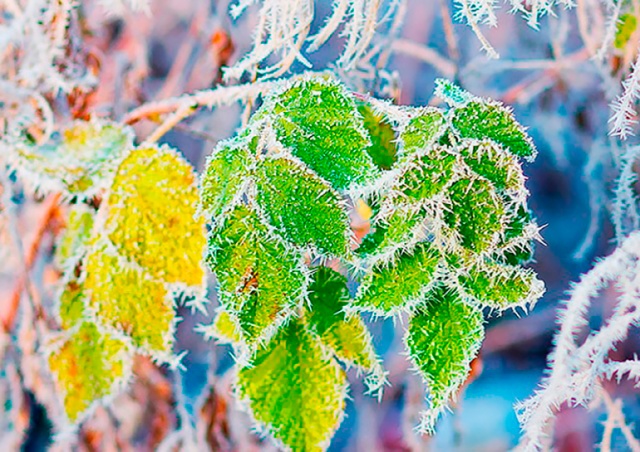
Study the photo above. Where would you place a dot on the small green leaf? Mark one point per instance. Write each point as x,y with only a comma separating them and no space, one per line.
625,28
295,389
492,120
501,286
488,160
389,287
225,173
317,119
423,130
383,150
88,367
346,335
71,304
75,238
425,174
304,209
401,228
260,279
451,93
443,337
225,328
475,215
80,162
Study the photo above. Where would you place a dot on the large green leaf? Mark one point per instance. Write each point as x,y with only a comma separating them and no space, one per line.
304,209
425,174
317,119
295,389
390,287
260,279
443,336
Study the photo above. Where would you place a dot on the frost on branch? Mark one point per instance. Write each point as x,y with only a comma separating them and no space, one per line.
449,232
577,363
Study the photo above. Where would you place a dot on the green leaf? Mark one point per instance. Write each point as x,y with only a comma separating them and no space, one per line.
452,94
492,120
401,229
346,335
475,215
443,337
225,172
304,209
80,162
225,328
423,130
488,160
151,210
425,174
317,119
71,305
383,150
295,389
74,240
389,287
260,279
89,367
501,286
627,24
124,298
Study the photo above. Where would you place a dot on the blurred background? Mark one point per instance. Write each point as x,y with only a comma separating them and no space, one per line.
556,90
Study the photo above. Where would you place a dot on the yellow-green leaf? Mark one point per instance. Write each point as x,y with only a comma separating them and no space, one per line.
295,389
88,367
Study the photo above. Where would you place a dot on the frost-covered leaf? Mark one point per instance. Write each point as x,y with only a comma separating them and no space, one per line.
295,389
625,28
400,229
125,298
492,120
224,328
71,305
475,215
80,162
488,160
260,278
317,119
225,172
422,130
443,336
501,286
383,150
74,240
151,211
389,287
304,209
88,367
346,335
425,174
451,93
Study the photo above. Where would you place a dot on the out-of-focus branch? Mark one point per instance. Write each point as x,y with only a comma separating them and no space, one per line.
50,212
